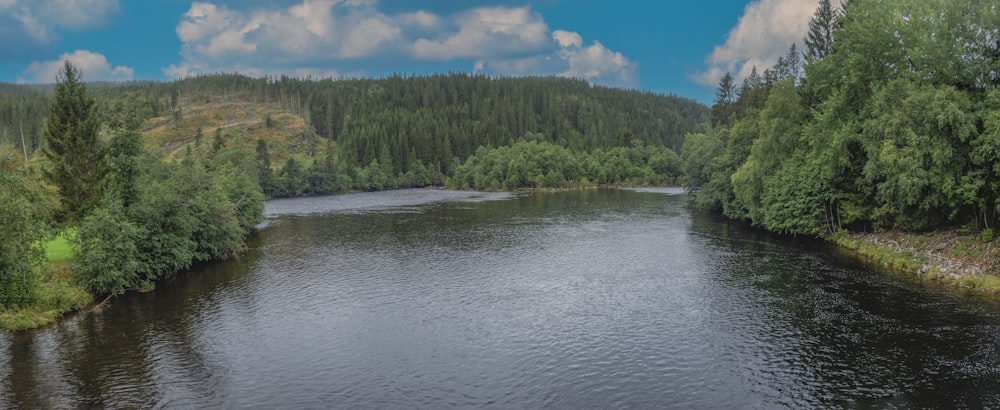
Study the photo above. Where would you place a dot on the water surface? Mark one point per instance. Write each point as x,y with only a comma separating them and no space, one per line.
582,299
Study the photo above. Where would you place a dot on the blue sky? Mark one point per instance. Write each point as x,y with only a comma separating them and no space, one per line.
666,46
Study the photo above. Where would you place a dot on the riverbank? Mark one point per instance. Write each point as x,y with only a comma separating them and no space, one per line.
964,260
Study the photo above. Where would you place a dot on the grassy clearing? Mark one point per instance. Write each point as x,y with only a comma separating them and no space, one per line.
61,247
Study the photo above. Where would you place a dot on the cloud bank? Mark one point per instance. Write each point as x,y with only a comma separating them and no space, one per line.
93,66
318,36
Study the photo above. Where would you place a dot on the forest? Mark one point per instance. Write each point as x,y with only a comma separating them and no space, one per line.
396,132
889,118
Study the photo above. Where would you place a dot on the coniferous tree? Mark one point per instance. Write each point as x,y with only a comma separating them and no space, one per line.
722,107
819,39
78,165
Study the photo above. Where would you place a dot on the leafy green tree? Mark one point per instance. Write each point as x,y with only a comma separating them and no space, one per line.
77,156
779,125
109,261
914,140
696,158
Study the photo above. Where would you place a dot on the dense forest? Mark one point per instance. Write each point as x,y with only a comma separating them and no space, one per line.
890,121
366,134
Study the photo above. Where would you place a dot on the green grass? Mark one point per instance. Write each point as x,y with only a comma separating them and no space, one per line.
61,247
58,293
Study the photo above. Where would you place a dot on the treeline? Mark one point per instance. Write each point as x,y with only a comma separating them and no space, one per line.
409,125
534,163
891,121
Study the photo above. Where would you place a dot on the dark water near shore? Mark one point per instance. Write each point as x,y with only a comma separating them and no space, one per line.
599,298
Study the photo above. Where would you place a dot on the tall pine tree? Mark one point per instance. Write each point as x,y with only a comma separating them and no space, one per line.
725,95
78,161
819,39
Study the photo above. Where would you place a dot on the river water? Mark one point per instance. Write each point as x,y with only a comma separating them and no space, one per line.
581,299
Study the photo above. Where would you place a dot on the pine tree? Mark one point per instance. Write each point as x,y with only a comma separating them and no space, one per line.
819,39
722,107
78,162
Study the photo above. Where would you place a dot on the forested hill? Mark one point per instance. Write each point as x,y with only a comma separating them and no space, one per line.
375,133
438,118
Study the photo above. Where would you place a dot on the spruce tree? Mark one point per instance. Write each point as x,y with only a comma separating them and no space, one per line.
819,39
722,107
78,162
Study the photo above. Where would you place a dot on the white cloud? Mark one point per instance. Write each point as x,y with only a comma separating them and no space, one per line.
93,67
353,33
367,36
764,33
217,38
567,38
488,30
37,20
595,63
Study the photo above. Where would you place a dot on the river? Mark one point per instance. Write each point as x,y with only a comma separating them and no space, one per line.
579,299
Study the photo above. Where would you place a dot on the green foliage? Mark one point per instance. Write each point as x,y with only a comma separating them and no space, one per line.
196,210
23,110
124,147
696,158
533,164
109,260
819,39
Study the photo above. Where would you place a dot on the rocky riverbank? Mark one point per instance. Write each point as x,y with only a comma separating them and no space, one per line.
963,259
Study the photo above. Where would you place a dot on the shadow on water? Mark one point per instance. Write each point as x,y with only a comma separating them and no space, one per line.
857,335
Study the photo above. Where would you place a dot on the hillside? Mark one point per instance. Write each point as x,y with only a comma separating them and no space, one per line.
237,119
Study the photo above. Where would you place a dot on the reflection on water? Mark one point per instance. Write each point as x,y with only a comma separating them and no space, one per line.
598,298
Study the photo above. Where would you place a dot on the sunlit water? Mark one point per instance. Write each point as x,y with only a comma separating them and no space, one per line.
434,299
